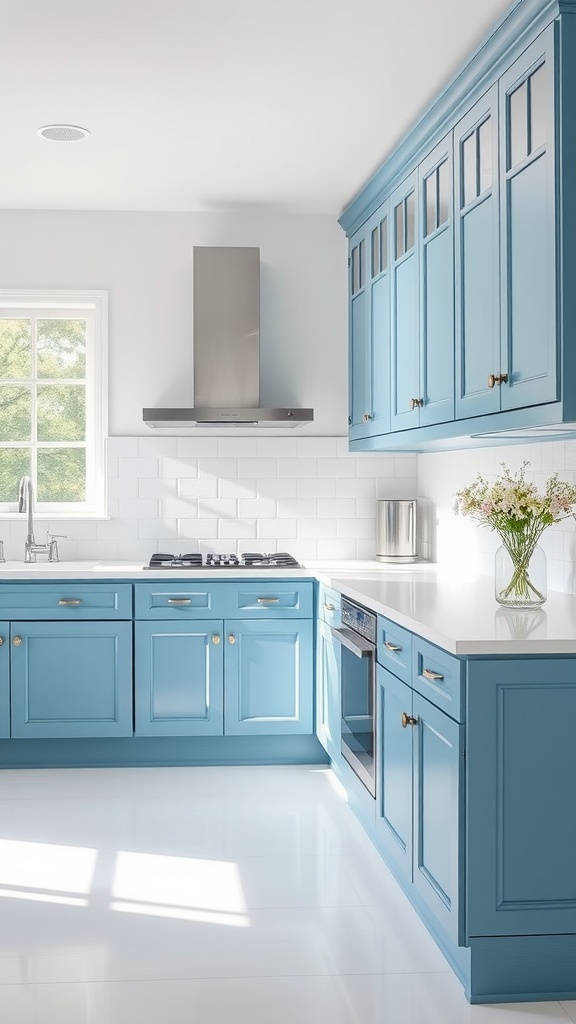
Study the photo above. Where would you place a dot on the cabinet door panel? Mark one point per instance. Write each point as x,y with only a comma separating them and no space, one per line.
405,335
437,285
328,712
269,678
521,836
71,679
4,680
359,384
477,258
394,810
178,678
438,329
528,239
380,345
405,346
438,795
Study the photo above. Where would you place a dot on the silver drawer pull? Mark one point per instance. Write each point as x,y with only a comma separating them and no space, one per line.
433,676
329,607
179,600
267,600
70,601
392,647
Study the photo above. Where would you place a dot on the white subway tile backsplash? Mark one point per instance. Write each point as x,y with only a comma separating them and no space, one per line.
240,488
218,468
217,508
237,529
306,495
197,447
197,529
257,508
257,468
330,508
137,508
297,468
337,467
313,487
317,528
200,487
269,528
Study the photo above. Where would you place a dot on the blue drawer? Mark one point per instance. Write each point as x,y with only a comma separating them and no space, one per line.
269,599
439,677
182,599
394,649
75,599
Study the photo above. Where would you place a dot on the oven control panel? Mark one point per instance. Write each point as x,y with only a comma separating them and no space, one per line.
359,619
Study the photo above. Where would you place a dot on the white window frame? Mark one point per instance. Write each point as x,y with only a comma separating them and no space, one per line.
94,306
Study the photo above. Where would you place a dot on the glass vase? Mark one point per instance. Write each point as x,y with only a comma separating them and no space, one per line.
520,582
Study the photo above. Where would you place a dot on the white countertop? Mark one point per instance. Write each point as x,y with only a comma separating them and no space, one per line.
460,616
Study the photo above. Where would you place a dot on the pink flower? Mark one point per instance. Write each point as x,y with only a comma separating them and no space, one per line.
486,507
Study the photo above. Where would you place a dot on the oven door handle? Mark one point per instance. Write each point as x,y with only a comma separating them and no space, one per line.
353,642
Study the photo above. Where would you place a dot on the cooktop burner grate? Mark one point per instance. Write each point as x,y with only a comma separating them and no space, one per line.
248,560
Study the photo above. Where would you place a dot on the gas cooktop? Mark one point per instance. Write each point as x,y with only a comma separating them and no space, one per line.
248,560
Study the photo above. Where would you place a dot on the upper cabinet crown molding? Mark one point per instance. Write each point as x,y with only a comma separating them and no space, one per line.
505,42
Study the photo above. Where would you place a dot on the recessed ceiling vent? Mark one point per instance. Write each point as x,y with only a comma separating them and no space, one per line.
63,132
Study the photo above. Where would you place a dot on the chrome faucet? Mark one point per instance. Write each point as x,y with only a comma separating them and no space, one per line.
31,548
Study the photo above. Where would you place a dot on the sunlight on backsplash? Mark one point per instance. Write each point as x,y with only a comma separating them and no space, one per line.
463,546
307,495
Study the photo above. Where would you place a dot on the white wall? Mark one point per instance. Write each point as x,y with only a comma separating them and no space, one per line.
144,261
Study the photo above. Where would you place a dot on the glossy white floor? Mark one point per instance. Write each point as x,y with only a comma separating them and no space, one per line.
210,896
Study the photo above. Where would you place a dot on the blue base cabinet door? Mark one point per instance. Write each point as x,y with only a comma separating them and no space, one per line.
394,791
4,680
328,698
178,685
269,677
438,814
71,680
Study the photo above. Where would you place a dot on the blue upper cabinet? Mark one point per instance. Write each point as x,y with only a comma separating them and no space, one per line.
405,338
480,227
528,238
477,237
435,189
369,328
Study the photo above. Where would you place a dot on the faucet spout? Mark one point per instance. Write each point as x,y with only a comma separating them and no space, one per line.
25,503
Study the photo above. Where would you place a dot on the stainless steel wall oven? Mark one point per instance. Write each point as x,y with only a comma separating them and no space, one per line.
357,636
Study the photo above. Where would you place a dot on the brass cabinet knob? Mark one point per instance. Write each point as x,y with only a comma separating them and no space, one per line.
366,417
215,638
408,720
497,378
17,641
231,639
1,640
416,403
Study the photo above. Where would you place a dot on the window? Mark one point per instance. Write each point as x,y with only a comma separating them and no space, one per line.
53,415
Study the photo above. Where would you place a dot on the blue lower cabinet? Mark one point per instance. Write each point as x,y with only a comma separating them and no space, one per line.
268,668
328,704
179,678
4,680
438,854
394,824
71,679
420,800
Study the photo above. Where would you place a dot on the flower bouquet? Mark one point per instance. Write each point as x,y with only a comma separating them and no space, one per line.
519,513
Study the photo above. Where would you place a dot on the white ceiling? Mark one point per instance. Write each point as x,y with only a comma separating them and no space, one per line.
218,104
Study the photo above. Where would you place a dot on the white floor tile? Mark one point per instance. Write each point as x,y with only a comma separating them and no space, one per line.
210,895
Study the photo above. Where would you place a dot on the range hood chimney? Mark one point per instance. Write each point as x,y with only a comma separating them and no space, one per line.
226,347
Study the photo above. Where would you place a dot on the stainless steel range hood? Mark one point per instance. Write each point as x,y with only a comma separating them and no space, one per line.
226,347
